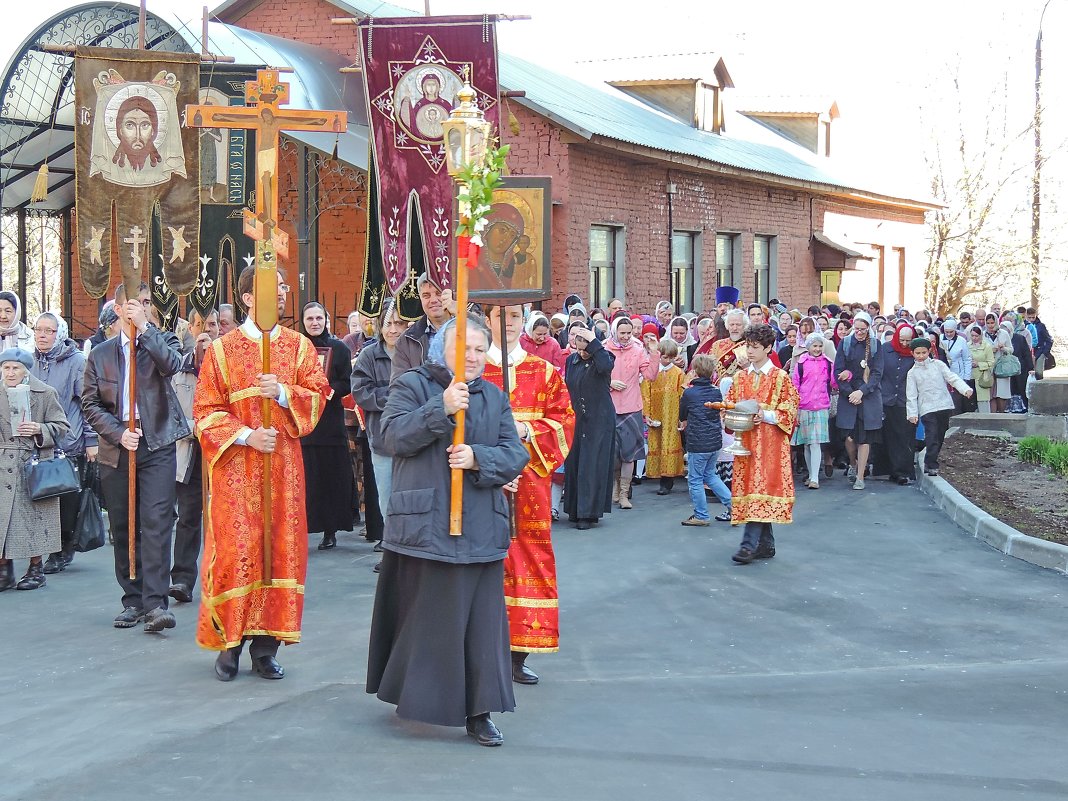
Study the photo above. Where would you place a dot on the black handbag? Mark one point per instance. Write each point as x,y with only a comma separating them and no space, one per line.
89,531
50,478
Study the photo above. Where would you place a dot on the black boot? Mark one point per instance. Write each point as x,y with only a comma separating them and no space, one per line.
521,674
7,576
666,483
33,579
54,563
329,541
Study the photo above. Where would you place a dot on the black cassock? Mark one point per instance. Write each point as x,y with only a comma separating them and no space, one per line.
588,471
327,469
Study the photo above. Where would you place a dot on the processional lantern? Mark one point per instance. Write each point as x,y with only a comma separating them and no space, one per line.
467,131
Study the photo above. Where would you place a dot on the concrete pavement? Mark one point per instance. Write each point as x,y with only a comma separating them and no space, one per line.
883,654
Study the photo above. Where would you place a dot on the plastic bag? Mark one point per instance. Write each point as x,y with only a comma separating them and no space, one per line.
90,532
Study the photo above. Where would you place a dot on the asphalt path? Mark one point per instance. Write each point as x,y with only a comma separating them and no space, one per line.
883,654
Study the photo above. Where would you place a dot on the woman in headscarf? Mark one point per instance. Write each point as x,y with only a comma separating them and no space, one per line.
58,362
327,470
982,367
13,332
663,312
679,331
1000,338
1021,349
536,341
632,364
900,433
439,644
28,529
858,367
590,469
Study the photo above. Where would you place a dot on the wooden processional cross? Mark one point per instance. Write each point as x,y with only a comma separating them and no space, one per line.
262,114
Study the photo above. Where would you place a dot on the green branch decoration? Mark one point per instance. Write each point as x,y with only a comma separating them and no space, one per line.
477,183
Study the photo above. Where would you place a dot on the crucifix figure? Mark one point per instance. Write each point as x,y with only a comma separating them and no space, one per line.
263,115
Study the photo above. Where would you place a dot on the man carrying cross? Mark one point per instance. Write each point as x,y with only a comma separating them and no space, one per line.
237,603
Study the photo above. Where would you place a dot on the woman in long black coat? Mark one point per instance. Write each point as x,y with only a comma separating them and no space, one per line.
589,471
327,470
439,645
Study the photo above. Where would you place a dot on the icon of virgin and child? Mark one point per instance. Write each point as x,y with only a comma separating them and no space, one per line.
424,97
510,243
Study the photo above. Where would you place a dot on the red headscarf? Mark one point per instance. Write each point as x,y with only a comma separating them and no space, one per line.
896,341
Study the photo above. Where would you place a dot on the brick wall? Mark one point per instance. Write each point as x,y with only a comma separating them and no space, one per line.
305,21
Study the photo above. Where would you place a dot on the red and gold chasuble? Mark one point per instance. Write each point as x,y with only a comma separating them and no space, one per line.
660,401
763,485
235,602
726,353
540,402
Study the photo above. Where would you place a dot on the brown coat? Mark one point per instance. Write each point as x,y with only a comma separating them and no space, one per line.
28,528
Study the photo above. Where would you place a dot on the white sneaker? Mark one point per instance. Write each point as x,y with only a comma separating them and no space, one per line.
858,484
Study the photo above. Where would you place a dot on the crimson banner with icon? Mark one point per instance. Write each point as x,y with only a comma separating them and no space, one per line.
412,69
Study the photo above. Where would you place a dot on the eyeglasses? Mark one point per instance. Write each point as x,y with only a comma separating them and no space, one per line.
44,330
283,287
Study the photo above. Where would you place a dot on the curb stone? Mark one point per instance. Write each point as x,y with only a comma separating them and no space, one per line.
989,529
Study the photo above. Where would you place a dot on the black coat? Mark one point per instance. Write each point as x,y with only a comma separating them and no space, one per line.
850,355
591,464
416,432
331,427
412,347
162,419
895,372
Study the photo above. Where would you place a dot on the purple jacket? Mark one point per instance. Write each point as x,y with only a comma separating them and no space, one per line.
814,378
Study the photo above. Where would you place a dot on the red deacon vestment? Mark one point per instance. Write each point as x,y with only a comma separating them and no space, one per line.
235,602
763,484
540,402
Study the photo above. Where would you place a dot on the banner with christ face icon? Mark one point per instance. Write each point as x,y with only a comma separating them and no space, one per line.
133,154
412,70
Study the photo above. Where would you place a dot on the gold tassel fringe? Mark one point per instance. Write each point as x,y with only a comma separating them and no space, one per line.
40,186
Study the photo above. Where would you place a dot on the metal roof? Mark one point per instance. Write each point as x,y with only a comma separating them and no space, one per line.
37,116
707,66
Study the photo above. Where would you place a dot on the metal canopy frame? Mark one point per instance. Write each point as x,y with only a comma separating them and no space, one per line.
37,112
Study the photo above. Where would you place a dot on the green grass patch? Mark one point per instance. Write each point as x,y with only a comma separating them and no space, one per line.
1033,449
1056,458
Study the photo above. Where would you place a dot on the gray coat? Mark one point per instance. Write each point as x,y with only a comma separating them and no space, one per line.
849,357
63,369
416,431
370,387
28,528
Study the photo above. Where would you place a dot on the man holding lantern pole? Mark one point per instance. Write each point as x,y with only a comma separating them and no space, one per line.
238,600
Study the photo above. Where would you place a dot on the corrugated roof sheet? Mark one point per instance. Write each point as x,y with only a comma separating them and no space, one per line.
589,111
665,67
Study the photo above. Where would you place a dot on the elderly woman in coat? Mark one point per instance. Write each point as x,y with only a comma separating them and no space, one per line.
982,367
858,366
439,646
28,529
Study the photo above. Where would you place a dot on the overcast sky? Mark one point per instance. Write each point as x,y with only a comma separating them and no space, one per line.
889,66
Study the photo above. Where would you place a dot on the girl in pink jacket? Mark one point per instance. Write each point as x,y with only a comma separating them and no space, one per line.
813,376
632,365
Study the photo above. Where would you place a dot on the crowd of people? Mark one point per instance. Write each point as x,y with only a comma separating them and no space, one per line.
563,415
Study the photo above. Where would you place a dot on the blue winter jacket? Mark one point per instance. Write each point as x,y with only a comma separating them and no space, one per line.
704,432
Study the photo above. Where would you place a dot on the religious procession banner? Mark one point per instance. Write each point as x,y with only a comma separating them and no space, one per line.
132,153
227,187
412,69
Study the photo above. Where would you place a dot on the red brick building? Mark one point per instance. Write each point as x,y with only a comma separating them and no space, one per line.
659,191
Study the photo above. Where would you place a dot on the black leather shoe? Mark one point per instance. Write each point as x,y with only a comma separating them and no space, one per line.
159,619
764,552
521,674
484,730
378,547
377,568
329,541
34,578
181,592
129,617
7,576
54,564
267,667
582,524
67,555
744,556
226,664
663,491
903,481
